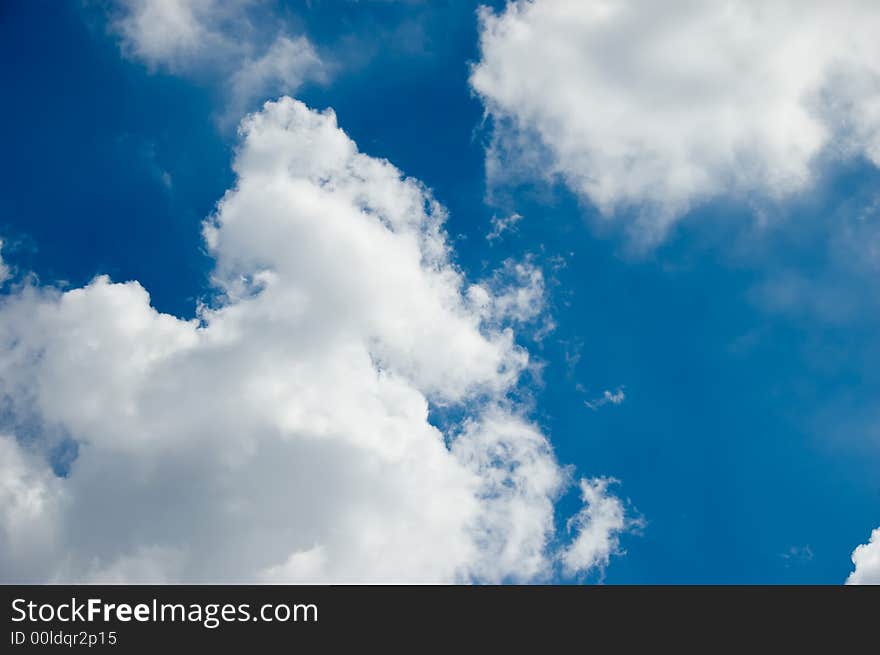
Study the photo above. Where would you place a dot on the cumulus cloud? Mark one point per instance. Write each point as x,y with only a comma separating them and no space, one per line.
283,434
647,109
227,40
866,559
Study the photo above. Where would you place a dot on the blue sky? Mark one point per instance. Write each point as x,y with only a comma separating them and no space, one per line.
744,341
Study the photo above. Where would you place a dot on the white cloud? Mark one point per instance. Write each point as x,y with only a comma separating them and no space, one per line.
280,70
31,499
614,397
284,435
649,108
514,293
174,34
597,528
502,224
866,559
221,40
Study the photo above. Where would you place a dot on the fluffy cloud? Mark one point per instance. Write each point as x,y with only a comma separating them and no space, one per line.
174,33
596,528
514,293
283,435
281,70
648,108
211,38
866,559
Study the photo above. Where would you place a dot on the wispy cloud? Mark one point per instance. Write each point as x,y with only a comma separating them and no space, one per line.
615,397
251,53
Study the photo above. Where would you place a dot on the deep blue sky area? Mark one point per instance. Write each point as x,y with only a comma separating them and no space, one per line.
748,439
